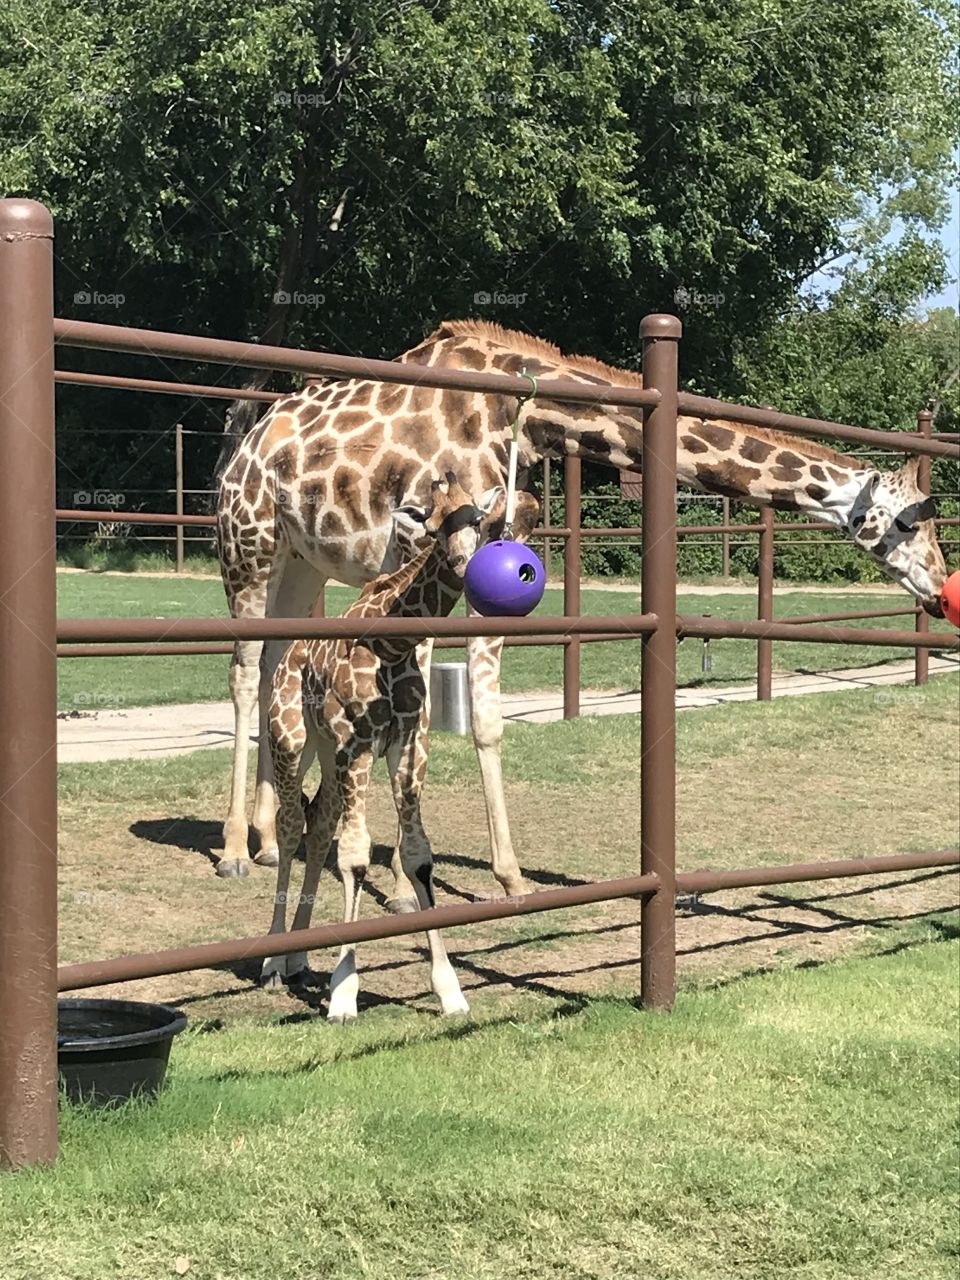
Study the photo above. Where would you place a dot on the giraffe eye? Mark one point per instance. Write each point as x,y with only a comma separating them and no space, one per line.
904,527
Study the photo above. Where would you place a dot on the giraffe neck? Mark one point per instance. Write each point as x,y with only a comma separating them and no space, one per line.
734,460
766,468
425,587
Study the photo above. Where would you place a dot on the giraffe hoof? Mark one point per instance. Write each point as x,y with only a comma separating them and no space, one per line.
267,858
456,1011
341,1019
228,868
271,981
401,906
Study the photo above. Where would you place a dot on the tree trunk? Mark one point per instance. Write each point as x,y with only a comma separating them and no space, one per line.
298,248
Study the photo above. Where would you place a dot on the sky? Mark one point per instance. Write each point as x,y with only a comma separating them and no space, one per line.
951,238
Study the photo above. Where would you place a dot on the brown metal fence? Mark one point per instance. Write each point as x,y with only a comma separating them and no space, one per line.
29,635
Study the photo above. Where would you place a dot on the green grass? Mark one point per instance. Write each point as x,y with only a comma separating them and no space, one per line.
795,780
602,749
797,1124
87,683
793,1124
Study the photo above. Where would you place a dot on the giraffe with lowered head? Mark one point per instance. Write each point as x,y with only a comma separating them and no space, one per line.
310,492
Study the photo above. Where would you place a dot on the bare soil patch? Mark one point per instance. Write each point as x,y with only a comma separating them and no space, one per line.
132,883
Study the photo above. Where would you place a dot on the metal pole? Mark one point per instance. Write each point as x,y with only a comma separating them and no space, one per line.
178,455
28,691
658,778
921,657
546,513
725,542
765,605
571,584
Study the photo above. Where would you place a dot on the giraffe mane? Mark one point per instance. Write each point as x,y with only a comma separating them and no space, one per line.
528,345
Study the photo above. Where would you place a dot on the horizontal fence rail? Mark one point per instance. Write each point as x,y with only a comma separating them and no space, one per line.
105,337
791,424
196,389
854,615
76,630
145,650
810,632
155,630
153,964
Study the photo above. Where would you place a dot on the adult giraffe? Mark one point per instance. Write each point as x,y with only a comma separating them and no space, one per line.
308,496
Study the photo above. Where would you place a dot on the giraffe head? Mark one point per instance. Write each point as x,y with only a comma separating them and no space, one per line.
892,521
453,522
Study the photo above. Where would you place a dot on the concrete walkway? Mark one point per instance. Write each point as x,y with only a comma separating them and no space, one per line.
147,733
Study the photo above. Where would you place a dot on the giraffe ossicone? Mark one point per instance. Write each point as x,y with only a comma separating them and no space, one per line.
310,493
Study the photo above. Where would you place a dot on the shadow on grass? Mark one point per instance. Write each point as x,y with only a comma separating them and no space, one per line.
196,835
481,964
191,835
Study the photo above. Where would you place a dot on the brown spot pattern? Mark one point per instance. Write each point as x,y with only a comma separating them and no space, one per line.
693,445
754,450
346,495
719,437
726,477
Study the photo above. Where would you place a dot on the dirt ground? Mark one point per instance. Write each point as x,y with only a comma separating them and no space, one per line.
149,884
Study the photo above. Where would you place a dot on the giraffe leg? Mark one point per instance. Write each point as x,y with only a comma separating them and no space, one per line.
404,894
483,674
293,594
353,860
323,813
244,682
290,766
417,857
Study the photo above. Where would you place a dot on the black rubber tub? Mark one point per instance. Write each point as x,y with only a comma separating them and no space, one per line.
112,1050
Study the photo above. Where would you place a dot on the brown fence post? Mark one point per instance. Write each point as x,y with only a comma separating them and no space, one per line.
765,605
178,457
725,542
572,554
921,657
28,691
547,494
658,680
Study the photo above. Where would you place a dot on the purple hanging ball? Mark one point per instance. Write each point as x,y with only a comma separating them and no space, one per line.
504,578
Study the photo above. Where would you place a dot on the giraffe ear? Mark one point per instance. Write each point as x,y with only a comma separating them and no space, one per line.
525,514
493,502
409,512
869,490
410,521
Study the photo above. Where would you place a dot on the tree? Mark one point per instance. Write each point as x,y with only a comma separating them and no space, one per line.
344,173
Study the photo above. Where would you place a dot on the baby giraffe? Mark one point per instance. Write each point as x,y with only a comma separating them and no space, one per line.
348,702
